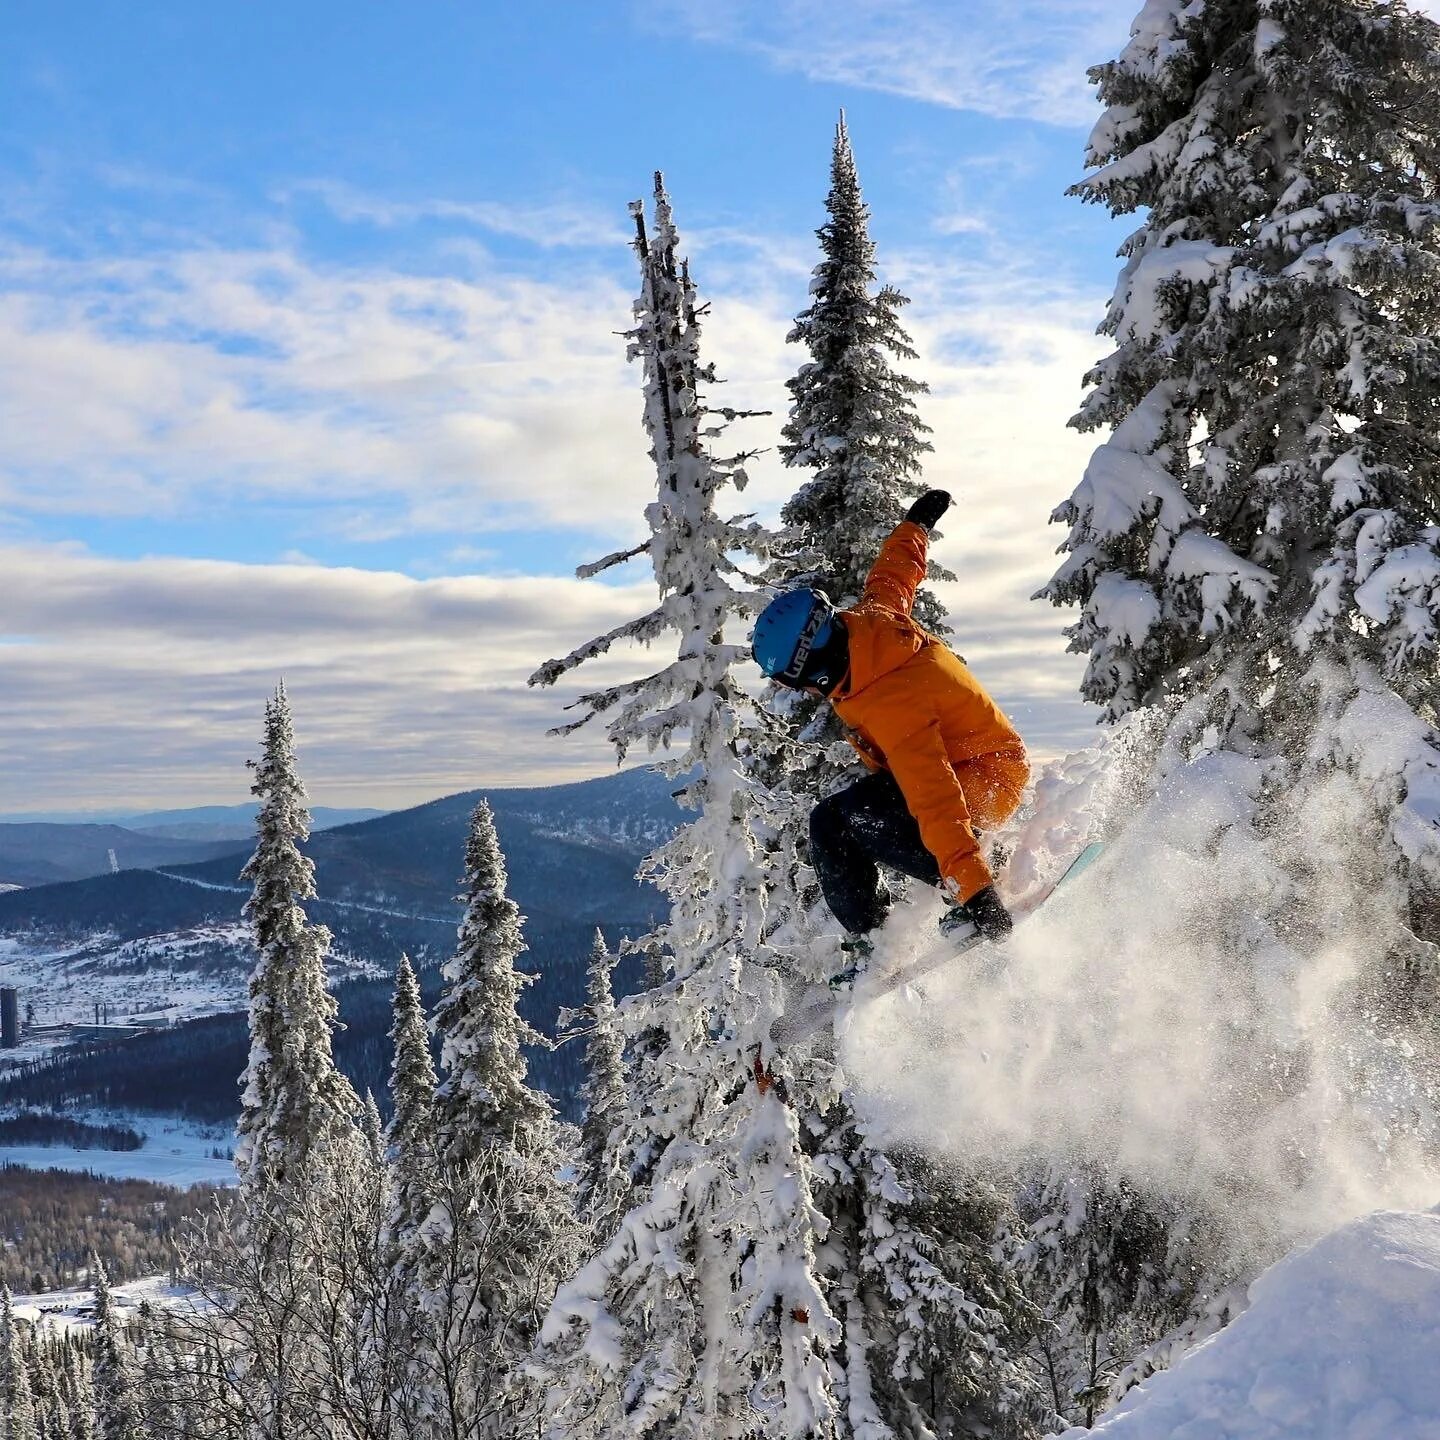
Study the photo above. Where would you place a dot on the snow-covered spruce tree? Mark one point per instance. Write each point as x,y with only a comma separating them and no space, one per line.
298,1112
17,1406
1096,1260
604,1187
61,1402
411,1136
701,1315
1254,547
502,1230
1258,541
117,1412
280,1333
853,420
75,1393
366,1323
160,1379
410,1166
930,1321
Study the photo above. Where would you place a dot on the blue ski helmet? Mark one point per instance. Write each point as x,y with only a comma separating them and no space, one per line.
790,628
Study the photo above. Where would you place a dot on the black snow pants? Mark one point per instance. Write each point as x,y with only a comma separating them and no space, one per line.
853,833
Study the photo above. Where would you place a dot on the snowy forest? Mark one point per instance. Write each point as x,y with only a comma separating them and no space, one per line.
994,1209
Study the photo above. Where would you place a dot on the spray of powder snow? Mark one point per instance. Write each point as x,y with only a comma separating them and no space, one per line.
1198,1011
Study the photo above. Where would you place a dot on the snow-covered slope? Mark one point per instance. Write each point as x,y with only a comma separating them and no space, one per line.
1341,1342
175,1152
60,1311
165,978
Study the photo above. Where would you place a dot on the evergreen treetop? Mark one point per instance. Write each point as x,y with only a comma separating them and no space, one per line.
854,420
296,1105
483,1096
410,1136
1271,488
603,1187
700,1315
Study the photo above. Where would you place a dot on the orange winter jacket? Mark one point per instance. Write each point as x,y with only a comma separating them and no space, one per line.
911,706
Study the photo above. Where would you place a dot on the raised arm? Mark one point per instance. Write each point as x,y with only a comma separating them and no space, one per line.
900,566
899,569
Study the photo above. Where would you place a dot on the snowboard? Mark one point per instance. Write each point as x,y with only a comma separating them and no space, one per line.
804,1022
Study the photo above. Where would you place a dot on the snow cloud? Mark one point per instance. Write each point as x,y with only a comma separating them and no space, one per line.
1013,59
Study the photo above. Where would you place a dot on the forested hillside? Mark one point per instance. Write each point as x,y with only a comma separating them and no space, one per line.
574,850
52,1222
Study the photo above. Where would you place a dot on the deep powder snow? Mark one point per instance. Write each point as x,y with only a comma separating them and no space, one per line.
1340,1343
1149,1018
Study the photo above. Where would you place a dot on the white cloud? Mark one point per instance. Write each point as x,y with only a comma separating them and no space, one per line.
138,682
391,403
396,402
141,681
559,224
1011,59
205,380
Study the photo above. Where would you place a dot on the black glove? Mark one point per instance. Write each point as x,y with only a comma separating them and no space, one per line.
928,509
987,912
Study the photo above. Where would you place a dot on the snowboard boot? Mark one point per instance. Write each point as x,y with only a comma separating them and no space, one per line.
983,915
857,949
956,924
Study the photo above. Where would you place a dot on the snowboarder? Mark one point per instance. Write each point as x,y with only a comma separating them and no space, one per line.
943,757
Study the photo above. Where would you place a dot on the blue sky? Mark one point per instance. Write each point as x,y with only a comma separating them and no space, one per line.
311,311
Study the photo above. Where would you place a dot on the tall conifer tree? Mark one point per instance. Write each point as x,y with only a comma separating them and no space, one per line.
411,1137
853,418
925,1310
17,1405
117,1412
1257,538
297,1110
412,1170
282,1319
700,1316
502,1229
604,1187
1255,544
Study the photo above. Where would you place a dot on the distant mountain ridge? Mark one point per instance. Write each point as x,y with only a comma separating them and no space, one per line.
232,822
385,885
571,851
56,847
46,854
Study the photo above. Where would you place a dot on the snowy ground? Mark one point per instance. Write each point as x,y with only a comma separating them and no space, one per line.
151,979
174,1153
75,1308
1341,1342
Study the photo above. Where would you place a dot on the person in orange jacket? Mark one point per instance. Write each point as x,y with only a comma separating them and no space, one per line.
944,759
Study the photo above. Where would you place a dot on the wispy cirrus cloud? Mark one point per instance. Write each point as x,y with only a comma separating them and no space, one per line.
1012,59
558,224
